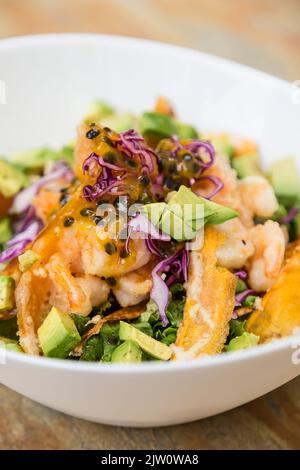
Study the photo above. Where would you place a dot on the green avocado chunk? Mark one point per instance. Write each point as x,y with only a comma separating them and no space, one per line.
98,111
246,165
127,352
158,124
27,259
285,181
246,340
5,230
10,344
120,122
156,349
186,131
58,334
186,213
7,288
11,179
35,159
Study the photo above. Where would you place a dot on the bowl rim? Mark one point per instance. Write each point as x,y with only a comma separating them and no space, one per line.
116,41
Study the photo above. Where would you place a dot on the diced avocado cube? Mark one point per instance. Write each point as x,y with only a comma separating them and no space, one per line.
186,131
11,179
35,159
240,286
10,344
246,165
246,340
285,181
9,327
58,334
120,122
157,124
156,349
97,111
27,259
154,211
5,230
7,289
127,352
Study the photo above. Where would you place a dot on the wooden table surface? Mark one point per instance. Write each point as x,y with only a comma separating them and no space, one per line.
261,33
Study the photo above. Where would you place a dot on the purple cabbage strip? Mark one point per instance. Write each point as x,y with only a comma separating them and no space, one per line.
177,264
131,143
287,219
142,224
23,199
16,245
219,185
239,298
151,246
242,274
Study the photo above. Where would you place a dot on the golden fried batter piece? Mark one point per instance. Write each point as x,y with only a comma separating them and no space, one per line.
280,311
210,301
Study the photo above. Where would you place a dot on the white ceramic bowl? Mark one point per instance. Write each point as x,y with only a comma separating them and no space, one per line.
50,80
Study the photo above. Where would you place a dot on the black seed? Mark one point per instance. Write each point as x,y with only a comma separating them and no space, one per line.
87,212
111,281
110,157
144,180
68,221
92,124
64,190
187,157
107,129
64,198
123,253
131,163
172,168
170,183
244,242
110,248
91,134
196,167
97,219
108,141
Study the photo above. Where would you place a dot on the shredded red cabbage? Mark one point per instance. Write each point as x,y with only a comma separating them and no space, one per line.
213,179
16,245
142,224
111,179
242,274
239,298
131,143
287,219
22,200
195,147
175,269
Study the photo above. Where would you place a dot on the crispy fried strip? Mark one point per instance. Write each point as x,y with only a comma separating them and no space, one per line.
210,302
128,313
280,312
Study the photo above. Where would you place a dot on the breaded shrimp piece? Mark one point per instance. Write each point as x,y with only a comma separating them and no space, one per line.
134,287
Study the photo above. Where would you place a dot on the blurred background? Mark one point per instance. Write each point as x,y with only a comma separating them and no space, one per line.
264,34
261,33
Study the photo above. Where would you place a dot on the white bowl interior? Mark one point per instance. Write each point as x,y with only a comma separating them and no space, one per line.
50,81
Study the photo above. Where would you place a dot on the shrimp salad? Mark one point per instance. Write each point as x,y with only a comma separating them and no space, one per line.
146,239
